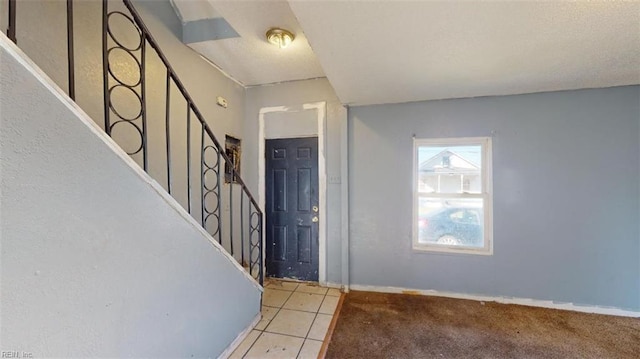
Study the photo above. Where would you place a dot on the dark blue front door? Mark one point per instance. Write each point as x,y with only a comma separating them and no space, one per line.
292,208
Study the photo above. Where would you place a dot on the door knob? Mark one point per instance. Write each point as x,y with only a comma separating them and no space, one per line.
315,209
314,219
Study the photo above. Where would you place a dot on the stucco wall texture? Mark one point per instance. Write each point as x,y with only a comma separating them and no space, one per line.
48,49
96,260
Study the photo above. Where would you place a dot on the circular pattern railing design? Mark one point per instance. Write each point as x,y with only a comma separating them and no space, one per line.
255,243
125,67
124,52
211,191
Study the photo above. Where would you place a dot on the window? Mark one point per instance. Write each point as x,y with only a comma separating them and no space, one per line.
452,195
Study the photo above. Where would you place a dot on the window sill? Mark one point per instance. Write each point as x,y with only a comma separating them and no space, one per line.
443,249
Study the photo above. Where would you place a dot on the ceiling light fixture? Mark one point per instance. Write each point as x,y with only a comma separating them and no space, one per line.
280,37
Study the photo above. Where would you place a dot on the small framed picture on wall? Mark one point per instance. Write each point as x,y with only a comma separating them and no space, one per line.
233,151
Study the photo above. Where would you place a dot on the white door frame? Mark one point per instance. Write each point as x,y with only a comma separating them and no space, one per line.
321,108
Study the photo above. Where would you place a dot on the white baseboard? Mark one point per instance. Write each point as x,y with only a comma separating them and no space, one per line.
505,300
322,284
332,285
236,342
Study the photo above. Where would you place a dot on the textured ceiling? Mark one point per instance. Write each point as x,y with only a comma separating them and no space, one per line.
395,51
399,51
249,58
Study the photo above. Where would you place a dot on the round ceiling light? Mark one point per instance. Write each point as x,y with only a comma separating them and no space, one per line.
280,37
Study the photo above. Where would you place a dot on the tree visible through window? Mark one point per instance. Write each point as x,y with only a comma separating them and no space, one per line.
452,195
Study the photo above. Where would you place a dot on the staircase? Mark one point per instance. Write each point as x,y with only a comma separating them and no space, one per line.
148,111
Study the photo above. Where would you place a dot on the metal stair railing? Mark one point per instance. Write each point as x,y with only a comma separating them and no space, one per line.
212,154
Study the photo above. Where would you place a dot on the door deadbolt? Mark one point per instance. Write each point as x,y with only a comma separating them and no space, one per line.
315,209
314,219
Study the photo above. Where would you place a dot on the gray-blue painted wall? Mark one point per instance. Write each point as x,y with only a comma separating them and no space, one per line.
566,182
95,261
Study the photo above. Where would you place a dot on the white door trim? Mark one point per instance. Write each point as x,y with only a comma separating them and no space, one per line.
321,108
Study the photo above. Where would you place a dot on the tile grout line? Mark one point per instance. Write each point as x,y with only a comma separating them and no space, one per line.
312,322
332,326
314,319
323,299
287,335
299,310
280,308
251,346
294,310
265,328
278,311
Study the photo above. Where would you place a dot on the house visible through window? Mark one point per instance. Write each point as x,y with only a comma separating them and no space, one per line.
452,195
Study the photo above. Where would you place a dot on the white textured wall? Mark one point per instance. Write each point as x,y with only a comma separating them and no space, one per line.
301,123
203,82
96,261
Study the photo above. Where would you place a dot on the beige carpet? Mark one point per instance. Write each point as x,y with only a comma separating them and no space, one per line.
377,325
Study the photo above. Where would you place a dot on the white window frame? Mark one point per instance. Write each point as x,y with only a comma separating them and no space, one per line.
486,194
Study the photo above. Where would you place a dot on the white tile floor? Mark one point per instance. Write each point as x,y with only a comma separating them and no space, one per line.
295,320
